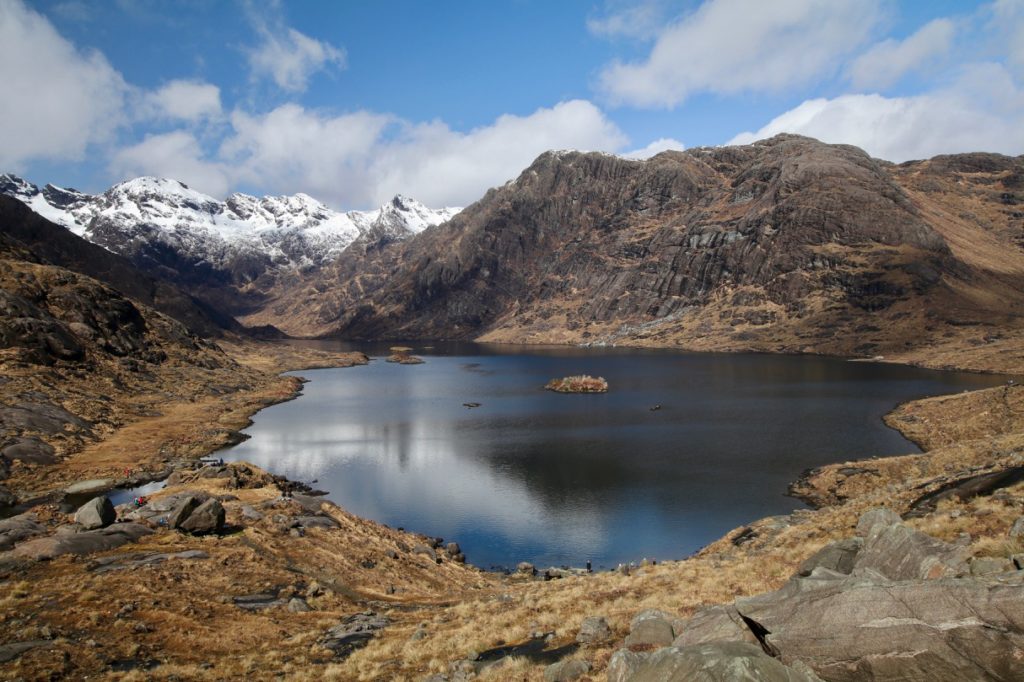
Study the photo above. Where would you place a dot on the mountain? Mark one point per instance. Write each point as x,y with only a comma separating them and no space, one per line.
34,238
227,253
788,244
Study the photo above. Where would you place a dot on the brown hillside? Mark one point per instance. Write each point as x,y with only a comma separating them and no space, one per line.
784,245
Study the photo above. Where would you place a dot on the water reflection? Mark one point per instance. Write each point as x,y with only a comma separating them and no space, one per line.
562,479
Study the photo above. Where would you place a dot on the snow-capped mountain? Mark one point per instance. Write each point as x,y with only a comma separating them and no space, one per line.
163,222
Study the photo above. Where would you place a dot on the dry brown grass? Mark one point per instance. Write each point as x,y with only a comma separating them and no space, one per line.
583,383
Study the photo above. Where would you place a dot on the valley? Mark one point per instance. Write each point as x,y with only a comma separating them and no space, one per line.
131,353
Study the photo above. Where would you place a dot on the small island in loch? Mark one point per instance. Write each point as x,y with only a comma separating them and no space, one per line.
578,384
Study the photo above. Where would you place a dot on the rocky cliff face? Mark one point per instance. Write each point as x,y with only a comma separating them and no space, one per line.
785,244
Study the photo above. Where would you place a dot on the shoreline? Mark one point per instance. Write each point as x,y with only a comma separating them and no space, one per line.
348,569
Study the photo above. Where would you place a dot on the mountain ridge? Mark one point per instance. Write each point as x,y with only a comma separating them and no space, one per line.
785,245
225,252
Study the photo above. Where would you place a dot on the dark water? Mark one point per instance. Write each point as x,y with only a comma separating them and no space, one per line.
560,479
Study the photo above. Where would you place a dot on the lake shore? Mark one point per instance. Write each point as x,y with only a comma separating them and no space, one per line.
74,609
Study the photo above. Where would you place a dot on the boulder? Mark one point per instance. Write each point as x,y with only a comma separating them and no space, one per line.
426,551
879,516
207,518
298,605
836,556
869,627
1017,529
719,662
566,670
526,568
453,548
594,630
650,628
182,511
714,624
623,664
96,513
901,553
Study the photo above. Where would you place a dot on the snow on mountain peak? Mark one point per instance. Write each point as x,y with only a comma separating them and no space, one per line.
292,230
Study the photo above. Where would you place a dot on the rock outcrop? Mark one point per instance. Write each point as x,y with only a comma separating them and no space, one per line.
896,605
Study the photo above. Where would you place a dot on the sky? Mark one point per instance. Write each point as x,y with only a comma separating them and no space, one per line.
353,102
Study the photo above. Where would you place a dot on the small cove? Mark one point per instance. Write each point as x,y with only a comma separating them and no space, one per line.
562,479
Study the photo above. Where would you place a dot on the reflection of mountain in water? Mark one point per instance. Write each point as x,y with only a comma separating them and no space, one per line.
561,479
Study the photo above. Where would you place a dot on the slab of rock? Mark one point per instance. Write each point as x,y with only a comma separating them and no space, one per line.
901,553
650,628
566,670
990,565
836,556
353,633
714,624
117,563
207,518
321,521
96,513
93,485
29,449
9,652
594,630
86,542
719,662
868,627
18,528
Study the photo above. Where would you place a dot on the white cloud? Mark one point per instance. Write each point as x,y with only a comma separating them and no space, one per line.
1008,22
290,58
362,159
640,20
982,111
731,46
887,62
184,100
176,155
656,147
292,149
57,100
440,166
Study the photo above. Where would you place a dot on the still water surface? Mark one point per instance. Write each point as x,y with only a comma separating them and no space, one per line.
561,479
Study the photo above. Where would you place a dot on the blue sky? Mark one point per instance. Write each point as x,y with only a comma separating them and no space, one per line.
352,102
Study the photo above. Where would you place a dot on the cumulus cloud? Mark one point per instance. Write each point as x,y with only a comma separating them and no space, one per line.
361,159
640,20
184,100
57,100
887,62
1008,22
982,111
291,149
732,46
290,58
656,147
440,166
176,155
